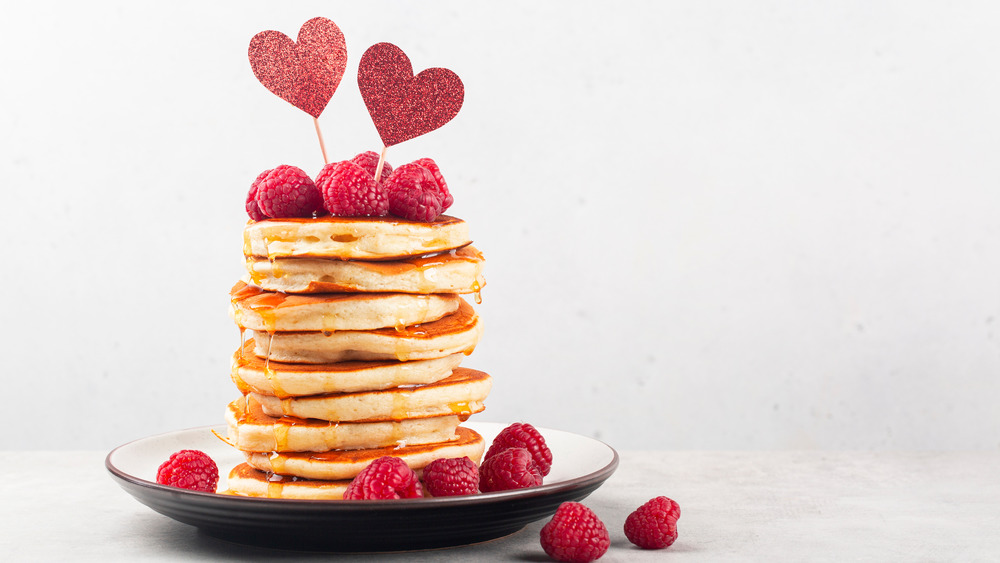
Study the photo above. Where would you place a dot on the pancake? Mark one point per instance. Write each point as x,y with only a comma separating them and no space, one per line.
340,465
456,271
249,482
280,379
461,393
353,238
251,430
454,333
254,308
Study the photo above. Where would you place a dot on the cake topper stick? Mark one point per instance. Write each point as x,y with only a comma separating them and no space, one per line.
305,73
404,106
381,164
322,147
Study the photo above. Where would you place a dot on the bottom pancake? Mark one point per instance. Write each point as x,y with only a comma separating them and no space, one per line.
346,464
249,482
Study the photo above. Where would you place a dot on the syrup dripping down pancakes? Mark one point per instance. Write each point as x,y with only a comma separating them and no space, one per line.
353,332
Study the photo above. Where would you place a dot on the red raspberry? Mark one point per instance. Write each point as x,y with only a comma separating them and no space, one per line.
252,209
654,524
523,435
413,193
512,468
385,478
432,167
349,191
451,477
369,161
189,469
575,534
287,191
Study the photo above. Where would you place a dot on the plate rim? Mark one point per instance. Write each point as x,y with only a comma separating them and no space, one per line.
599,475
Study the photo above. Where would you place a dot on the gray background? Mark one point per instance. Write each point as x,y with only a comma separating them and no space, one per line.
708,225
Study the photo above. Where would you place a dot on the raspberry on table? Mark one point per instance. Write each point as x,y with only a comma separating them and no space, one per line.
385,478
575,534
654,524
348,190
413,193
523,435
432,167
448,477
513,468
253,210
287,191
189,469
369,161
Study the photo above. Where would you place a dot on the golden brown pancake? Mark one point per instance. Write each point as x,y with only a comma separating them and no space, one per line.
455,271
353,238
346,464
249,482
254,308
454,333
461,393
251,430
281,379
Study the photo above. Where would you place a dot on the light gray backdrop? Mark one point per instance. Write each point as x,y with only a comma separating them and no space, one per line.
708,225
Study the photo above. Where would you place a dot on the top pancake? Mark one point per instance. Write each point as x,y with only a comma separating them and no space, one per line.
353,238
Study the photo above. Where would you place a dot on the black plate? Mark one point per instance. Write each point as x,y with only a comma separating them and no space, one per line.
580,465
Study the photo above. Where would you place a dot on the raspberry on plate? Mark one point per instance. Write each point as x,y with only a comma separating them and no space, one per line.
369,161
287,191
189,469
523,435
575,534
385,478
654,524
348,190
513,468
448,477
253,210
413,193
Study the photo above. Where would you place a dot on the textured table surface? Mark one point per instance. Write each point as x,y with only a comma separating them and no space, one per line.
736,506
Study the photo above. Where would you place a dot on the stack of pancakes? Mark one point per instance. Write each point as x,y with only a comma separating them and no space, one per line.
356,332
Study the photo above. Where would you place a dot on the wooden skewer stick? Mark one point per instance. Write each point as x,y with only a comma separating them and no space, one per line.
322,147
381,162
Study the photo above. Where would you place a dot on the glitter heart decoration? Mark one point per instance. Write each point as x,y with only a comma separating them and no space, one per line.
404,106
305,73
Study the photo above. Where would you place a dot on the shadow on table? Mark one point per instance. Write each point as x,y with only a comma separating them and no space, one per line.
189,543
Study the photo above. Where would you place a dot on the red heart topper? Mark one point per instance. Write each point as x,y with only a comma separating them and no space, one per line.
304,73
404,106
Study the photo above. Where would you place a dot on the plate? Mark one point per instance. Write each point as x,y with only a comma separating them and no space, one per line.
580,465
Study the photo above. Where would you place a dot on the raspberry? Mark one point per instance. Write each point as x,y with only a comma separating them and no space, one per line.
369,161
287,191
432,167
654,524
385,478
575,534
413,193
451,477
253,210
349,191
522,435
189,469
512,468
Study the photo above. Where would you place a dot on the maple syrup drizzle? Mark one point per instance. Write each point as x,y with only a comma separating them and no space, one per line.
280,429
275,484
400,406
460,408
269,373
476,288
